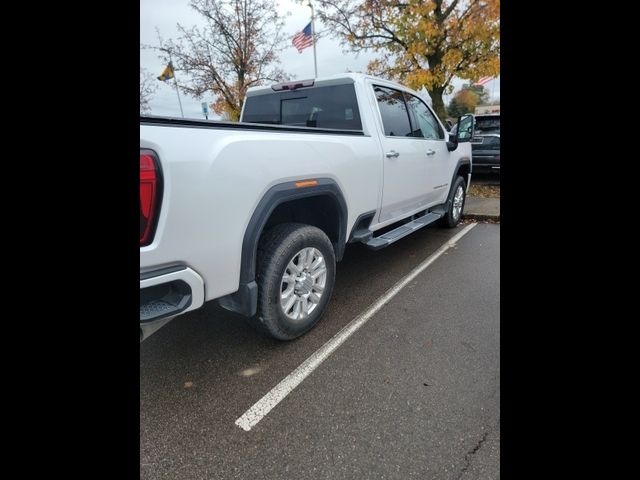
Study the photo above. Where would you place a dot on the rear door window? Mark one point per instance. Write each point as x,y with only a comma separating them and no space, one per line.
334,106
394,113
488,124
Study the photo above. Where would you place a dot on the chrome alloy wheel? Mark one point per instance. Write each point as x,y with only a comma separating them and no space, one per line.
303,283
458,199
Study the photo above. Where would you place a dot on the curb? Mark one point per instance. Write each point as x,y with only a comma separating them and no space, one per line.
480,216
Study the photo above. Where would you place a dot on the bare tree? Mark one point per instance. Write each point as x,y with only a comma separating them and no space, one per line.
236,49
147,89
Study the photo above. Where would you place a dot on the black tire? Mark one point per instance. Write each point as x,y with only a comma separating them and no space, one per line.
449,220
278,246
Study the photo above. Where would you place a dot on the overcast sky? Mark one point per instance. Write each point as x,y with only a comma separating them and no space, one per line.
165,14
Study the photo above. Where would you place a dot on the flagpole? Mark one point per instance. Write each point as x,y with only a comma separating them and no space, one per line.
493,89
313,35
175,80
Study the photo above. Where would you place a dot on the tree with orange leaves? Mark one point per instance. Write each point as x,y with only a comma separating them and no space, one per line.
465,101
422,43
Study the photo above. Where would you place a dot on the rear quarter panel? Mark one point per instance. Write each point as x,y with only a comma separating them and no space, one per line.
214,179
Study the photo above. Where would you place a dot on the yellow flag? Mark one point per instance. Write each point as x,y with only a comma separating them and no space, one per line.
167,73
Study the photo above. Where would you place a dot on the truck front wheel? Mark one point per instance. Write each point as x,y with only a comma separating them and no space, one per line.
295,275
455,203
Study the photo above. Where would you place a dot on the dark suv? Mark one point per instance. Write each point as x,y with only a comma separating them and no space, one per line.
485,145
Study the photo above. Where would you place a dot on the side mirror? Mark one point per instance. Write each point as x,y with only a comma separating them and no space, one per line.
464,132
452,144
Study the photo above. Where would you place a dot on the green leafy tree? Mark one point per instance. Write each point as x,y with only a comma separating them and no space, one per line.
465,101
479,90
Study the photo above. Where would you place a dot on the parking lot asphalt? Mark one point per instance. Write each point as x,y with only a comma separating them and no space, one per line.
415,393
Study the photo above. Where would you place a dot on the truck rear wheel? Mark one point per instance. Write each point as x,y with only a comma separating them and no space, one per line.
295,275
457,197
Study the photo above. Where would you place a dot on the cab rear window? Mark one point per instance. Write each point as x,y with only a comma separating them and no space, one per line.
334,106
488,123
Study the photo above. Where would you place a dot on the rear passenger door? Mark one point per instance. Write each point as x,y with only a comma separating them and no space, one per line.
406,186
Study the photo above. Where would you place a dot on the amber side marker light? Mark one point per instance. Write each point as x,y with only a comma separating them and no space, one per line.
307,183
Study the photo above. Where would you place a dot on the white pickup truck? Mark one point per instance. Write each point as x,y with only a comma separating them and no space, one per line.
256,214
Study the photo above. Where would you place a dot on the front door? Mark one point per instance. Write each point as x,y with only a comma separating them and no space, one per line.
434,144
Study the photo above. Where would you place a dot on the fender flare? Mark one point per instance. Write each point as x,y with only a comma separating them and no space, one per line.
462,161
245,299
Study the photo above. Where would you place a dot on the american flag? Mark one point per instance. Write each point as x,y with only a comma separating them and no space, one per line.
482,81
303,39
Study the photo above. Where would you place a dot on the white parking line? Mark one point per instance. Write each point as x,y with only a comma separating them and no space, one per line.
263,406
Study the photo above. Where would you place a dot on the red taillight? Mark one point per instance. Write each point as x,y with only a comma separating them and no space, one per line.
149,185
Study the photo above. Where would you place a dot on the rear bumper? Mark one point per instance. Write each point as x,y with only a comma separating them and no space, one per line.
166,293
486,163
486,168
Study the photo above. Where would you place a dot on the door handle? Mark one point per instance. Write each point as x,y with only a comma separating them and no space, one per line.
431,152
393,153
